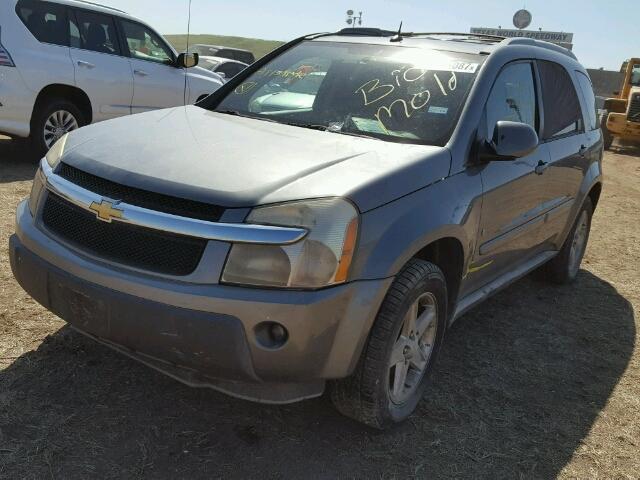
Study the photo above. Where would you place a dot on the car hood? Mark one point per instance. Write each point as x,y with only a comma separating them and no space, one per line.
233,161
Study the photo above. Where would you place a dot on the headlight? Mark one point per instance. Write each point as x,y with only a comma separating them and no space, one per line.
322,258
36,190
54,155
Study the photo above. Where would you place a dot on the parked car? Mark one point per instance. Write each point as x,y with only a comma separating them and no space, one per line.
244,56
68,63
224,67
268,254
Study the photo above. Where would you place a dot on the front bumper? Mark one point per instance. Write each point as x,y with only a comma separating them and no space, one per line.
201,334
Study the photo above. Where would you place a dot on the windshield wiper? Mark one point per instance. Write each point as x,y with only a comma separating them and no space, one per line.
324,128
235,113
310,126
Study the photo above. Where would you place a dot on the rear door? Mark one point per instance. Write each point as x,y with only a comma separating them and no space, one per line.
570,145
511,203
157,82
43,56
100,67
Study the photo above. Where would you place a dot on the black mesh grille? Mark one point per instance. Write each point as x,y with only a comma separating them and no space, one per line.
141,198
127,244
634,108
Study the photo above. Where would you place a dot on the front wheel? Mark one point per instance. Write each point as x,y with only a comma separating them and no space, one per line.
51,121
406,336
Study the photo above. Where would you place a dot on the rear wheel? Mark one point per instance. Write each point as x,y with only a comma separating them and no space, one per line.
564,267
51,121
607,137
393,371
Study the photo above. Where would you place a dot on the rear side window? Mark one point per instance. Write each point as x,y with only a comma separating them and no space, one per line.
513,97
46,21
562,114
97,32
590,100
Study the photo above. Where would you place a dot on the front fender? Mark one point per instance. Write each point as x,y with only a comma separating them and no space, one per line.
392,234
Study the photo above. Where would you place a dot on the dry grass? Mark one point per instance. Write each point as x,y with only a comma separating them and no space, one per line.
538,382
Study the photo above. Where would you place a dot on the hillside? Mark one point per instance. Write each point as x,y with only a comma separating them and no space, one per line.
258,47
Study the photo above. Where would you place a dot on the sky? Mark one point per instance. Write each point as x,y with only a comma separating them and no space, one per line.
606,32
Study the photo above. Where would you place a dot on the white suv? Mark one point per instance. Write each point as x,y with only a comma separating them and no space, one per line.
68,63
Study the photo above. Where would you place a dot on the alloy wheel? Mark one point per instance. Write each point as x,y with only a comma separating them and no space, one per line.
579,243
413,348
58,123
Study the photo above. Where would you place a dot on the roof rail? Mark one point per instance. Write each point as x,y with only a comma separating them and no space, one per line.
541,44
495,38
100,5
377,32
369,32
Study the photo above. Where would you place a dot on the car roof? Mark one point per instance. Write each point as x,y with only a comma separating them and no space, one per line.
469,43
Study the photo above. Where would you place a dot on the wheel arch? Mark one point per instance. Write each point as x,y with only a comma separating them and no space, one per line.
447,253
67,92
594,194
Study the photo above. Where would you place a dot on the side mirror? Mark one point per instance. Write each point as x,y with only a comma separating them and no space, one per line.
616,93
511,140
222,75
187,60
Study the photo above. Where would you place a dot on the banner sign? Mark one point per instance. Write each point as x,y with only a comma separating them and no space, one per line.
561,38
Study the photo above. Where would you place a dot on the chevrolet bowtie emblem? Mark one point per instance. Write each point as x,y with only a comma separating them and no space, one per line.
105,211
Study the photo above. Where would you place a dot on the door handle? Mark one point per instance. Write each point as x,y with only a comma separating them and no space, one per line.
140,73
82,63
541,167
583,151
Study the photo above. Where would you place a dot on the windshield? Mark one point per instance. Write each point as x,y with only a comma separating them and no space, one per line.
390,92
635,76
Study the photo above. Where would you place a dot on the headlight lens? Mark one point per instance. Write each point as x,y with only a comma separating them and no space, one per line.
321,259
54,155
36,190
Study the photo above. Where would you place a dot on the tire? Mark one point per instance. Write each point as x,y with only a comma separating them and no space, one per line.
64,115
607,137
369,395
564,267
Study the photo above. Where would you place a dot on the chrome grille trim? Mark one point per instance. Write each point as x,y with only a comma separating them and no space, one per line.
165,222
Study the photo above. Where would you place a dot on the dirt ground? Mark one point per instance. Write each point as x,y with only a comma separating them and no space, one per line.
538,382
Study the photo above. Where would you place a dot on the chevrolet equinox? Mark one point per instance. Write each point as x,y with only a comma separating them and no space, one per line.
329,236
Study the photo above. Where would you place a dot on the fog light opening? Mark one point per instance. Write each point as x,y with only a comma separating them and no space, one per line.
271,335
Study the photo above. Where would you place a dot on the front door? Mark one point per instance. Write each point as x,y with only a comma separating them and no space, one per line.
512,190
157,83
101,69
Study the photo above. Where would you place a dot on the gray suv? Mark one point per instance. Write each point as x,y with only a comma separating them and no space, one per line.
270,253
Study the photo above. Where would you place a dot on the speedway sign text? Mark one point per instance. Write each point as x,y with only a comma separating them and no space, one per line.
561,38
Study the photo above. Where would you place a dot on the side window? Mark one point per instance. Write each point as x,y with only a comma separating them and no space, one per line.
635,75
590,100
74,33
144,44
562,113
46,21
513,97
97,32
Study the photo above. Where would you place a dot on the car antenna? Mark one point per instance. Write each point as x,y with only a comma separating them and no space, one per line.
398,36
184,93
